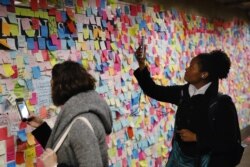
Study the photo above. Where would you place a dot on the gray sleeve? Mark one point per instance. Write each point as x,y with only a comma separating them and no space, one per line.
85,145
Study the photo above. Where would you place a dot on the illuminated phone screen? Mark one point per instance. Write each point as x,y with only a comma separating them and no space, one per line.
23,110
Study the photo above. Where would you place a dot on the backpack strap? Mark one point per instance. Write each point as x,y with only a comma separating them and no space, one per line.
212,107
59,143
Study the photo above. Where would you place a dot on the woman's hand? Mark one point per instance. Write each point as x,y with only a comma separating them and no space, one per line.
49,158
34,121
140,55
187,135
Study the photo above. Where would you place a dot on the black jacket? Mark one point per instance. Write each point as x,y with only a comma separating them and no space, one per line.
192,114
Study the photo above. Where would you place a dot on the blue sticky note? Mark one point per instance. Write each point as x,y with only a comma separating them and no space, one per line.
94,11
61,33
41,43
30,43
71,42
11,164
64,16
118,12
88,12
5,2
126,8
36,72
103,4
13,54
64,44
104,24
134,153
50,46
26,60
44,31
29,84
22,135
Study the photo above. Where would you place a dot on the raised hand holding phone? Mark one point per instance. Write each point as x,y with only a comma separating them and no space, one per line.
141,53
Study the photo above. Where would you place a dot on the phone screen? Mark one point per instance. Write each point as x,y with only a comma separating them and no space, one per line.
23,109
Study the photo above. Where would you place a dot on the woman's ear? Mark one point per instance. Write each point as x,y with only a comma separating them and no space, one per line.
204,75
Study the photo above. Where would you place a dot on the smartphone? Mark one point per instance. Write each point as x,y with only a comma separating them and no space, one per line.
22,108
142,44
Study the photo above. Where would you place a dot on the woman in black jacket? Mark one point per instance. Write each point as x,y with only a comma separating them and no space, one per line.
195,142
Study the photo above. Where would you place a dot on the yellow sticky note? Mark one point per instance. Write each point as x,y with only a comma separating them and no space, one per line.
112,152
30,33
113,46
29,162
133,163
31,139
85,33
53,62
14,29
30,107
8,70
85,63
30,153
97,46
143,163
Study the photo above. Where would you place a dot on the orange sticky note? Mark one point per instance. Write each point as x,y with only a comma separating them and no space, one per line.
43,112
31,139
130,132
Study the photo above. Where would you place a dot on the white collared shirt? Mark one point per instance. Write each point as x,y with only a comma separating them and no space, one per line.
193,91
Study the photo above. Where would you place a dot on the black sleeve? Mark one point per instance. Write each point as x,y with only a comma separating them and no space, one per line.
42,134
170,94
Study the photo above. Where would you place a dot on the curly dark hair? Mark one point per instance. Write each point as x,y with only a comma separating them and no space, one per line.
68,79
216,63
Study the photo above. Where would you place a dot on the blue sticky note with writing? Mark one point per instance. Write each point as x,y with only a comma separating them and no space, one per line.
41,43
44,31
22,135
30,43
36,72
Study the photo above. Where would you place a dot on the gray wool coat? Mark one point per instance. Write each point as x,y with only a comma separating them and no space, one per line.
82,147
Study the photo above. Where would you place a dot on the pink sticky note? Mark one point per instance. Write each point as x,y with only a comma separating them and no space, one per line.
33,99
10,147
3,133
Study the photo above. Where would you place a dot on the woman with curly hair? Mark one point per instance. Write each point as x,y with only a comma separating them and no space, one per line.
73,90
195,142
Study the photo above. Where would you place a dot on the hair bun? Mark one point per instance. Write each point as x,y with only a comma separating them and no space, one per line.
222,63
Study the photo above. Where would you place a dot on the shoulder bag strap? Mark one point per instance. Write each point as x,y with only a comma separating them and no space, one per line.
67,131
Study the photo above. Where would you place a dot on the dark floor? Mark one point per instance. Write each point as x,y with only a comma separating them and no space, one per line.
245,161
